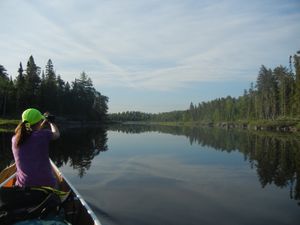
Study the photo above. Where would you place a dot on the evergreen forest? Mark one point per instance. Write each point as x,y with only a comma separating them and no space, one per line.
274,95
45,90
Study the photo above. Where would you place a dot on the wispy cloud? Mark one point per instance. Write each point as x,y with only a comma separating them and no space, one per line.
150,44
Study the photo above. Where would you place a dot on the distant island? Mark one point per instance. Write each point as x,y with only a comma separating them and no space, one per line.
273,102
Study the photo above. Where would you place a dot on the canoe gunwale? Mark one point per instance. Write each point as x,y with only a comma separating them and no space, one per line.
83,202
7,179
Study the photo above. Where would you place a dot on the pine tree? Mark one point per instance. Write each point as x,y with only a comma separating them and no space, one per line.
192,112
3,73
32,82
296,104
100,107
60,95
20,89
267,94
252,107
4,88
50,88
83,89
284,83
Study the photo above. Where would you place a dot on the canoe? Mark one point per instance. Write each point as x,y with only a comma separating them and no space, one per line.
78,208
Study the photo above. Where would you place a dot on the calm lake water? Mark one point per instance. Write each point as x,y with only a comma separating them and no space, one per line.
180,176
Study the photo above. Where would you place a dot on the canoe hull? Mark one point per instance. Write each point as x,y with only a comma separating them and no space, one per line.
77,211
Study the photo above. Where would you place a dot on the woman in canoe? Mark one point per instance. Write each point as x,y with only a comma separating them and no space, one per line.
30,146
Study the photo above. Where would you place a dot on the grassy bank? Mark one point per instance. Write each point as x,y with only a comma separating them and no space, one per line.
279,124
8,125
283,125
8,122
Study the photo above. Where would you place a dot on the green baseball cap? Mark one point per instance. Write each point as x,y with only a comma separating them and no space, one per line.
32,116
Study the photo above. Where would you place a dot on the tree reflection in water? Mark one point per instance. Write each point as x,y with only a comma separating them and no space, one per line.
275,156
6,156
77,147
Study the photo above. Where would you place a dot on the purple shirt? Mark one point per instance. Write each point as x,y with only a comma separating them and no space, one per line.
32,160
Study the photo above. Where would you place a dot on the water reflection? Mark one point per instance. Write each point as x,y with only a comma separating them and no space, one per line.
275,156
6,156
77,147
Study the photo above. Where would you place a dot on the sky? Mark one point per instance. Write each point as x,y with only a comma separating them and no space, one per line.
152,55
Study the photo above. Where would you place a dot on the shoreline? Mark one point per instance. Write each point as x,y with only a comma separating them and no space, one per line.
9,125
290,126
266,125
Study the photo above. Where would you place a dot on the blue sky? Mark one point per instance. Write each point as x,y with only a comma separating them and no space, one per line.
152,55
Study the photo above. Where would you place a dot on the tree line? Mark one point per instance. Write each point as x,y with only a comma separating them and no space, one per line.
275,94
47,91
